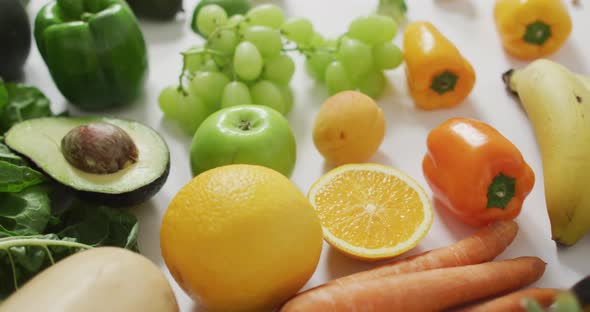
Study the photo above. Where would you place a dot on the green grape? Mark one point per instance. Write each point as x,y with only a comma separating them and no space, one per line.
373,84
387,55
209,18
317,40
247,61
337,78
267,40
279,69
168,101
266,15
224,41
235,93
192,111
268,94
356,56
235,20
209,66
228,71
288,99
373,29
194,62
299,30
317,63
209,87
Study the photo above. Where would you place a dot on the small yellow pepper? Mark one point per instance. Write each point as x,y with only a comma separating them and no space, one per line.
438,75
531,29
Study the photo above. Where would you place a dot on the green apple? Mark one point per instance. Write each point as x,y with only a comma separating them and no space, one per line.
244,134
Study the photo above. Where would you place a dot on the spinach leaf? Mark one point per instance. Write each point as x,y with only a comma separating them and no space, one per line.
22,257
21,102
26,212
97,225
7,155
14,178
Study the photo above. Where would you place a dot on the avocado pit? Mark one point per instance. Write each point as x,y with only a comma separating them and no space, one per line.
99,148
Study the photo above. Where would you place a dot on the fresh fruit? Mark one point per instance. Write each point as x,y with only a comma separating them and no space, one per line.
248,62
348,128
231,7
244,134
241,238
298,30
371,212
210,18
132,183
100,279
185,107
557,101
268,15
15,32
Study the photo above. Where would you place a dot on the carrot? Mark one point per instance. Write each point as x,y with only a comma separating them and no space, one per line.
481,247
513,302
432,290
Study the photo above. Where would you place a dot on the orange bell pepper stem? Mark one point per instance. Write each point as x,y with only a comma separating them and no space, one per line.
438,75
475,172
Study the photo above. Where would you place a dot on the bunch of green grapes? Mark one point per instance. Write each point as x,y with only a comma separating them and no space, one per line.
357,60
243,61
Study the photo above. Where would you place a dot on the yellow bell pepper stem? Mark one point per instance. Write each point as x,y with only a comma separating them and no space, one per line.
438,75
531,29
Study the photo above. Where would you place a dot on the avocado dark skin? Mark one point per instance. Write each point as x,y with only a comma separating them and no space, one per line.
15,35
161,10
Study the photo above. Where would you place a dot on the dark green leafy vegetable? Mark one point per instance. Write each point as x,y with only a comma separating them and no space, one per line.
22,257
15,178
26,212
20,103
8,156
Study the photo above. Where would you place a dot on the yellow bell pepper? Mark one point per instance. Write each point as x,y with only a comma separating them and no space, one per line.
438,75
531,29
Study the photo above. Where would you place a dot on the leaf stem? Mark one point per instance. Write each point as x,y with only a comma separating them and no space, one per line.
11,259
27,241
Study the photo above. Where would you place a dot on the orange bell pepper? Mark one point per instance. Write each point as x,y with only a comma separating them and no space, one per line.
531,29
475,172
438,75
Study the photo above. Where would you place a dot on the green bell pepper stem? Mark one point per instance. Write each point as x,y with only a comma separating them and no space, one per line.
94,49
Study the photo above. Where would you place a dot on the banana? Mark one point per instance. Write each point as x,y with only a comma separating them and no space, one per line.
557,103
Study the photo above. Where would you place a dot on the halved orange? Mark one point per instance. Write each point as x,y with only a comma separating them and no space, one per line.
371,212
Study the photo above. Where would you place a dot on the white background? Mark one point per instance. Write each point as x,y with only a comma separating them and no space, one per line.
467,23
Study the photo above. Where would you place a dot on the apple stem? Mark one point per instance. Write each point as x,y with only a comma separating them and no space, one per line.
245,125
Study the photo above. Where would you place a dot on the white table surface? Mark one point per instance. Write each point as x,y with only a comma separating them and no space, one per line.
467,23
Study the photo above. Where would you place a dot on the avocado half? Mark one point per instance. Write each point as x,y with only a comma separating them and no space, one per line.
40,141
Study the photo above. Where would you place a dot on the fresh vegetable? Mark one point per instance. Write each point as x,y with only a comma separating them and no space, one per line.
231,7
257,235
531,29
15,34
438,75
557,101
156,9
394,8
371,212
244,134
42,222
514,302
483,246
98,61
20,102
433,290
101,279
336,140
475,172
129,161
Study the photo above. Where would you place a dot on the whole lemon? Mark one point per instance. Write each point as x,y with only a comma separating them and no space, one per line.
349,128
241,238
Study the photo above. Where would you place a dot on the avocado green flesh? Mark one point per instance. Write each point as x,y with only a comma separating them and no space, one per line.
39,140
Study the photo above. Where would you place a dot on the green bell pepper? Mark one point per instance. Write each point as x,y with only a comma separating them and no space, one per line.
94,49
